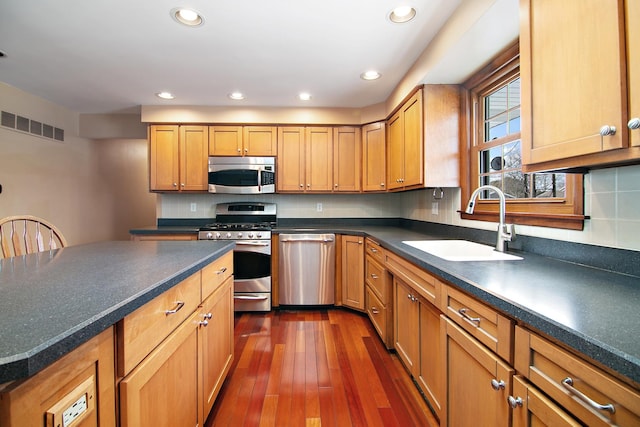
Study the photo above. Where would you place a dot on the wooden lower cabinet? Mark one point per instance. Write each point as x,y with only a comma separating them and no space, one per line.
216,342
532,408
87,373
478,381
163,389
418,342
353,272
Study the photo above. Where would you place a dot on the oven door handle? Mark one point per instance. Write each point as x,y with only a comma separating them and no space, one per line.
250,297
245,243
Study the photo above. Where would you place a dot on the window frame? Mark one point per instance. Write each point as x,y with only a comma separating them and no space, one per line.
565,213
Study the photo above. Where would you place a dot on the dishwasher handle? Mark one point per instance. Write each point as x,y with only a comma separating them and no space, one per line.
294,238
306,240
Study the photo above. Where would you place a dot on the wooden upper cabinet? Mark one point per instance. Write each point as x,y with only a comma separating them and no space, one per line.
291,159
242,141
347,159
405,148
319,159
573,67
373,157
178,158
633,67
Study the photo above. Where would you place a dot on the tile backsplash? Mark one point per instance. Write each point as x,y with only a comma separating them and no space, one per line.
612,200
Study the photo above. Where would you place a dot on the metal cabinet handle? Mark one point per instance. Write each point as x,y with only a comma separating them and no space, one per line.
607,130
207,316
514,402
179,305
250,297
374,276
222,270
374,250
203,323
382,184
568,384
463,313
634,123
497,385
374,310
182,184
175,184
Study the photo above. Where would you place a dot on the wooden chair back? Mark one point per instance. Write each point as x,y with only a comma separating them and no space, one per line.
26,234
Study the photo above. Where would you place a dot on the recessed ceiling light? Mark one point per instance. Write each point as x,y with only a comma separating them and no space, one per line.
402,14
188,17
304,96
165,95
236,96
370,75
2,54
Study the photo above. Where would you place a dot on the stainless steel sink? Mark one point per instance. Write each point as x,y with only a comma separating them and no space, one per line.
460,250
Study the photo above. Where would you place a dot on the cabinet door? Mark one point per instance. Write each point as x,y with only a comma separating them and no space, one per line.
572,71
431,373
225,140
194,147
395,151
353,271
633,66
216,340
405,325
164,166
291,159
532,408
319,159
478,382
346,159
163,389
413,145
373,157
260,141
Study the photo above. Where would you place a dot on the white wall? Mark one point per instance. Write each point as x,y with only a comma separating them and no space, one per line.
90,189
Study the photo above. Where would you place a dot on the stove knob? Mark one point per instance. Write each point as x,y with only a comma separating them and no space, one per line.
218,235
250,235
239,235
259,235
228,235
209,236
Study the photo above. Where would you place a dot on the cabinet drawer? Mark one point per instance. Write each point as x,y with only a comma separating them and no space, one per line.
484,323
214,274
553,369
421,281
377,312
374,249
141,331
376,277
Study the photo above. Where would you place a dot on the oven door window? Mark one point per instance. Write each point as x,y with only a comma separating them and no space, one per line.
234,178
251,265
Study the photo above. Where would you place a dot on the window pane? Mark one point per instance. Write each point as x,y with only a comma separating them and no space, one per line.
514,93
494,179
549,185
496,127
514,121
515,185
491,160
496,103
512,155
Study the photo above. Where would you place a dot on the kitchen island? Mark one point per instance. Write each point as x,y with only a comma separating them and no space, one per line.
58,302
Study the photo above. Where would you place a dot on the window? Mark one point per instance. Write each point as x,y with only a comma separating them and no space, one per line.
494,155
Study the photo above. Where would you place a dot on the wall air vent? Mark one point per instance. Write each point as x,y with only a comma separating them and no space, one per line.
32,127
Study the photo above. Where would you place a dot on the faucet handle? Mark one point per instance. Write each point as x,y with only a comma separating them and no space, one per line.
509,232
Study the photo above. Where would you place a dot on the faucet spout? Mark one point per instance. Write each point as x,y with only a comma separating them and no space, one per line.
504,234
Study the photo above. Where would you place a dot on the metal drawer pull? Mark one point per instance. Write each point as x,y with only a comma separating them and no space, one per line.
205,322
463,312
222,270
497,385
374,310
568,384
207,316
179,305
250,297
374,276
249,243
374,250
514,402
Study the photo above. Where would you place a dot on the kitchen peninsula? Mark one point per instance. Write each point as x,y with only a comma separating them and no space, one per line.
88,304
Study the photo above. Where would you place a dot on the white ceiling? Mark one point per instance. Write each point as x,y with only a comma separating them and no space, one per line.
103,56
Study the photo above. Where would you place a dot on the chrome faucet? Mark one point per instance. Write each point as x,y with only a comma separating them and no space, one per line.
504,234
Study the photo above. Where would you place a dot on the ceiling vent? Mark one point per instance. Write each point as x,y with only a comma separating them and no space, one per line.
32,127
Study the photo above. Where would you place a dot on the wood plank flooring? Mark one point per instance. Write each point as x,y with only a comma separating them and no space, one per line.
315,368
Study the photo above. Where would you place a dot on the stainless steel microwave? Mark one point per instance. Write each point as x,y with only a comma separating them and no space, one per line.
242,175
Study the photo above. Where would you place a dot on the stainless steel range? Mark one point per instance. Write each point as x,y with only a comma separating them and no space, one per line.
249,224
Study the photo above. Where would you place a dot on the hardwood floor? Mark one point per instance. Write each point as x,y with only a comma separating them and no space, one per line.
315,368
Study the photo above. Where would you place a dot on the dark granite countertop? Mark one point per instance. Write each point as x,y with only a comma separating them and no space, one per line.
54,301
591,310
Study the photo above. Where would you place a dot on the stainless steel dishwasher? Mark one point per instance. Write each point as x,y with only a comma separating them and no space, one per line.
306,269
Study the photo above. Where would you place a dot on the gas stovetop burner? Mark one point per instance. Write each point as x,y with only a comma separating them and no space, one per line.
221,226
241,221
